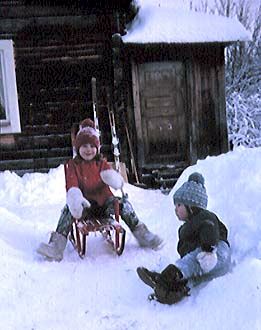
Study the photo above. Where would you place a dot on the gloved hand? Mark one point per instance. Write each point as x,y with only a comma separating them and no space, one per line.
76,202
112,178
207,260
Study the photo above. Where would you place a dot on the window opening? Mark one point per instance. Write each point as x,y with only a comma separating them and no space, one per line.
9,110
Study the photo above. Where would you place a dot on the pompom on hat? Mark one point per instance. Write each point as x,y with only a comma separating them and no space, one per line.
87,134
192,192
86,123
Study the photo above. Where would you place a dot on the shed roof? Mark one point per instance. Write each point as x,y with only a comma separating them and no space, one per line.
166,23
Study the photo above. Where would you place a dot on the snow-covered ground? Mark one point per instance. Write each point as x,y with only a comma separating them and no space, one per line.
103,291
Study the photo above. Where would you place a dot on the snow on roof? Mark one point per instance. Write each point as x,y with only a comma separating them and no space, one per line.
166,23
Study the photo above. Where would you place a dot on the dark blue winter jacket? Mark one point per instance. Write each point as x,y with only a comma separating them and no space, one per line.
204,230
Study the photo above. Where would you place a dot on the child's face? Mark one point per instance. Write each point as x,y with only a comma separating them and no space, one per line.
181,211
87,151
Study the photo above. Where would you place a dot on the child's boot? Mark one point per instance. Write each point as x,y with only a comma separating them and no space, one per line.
171,286
147,276
53,251
171,274
146,238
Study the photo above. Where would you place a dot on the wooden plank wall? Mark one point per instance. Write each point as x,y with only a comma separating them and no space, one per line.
207,127
57,51
206,91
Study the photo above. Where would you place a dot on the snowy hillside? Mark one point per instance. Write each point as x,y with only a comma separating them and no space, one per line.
103,291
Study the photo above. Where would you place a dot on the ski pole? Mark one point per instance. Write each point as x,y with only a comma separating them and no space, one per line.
94,105
133,164
115,141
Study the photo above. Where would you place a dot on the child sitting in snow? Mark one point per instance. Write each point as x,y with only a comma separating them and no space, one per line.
202,246
88,177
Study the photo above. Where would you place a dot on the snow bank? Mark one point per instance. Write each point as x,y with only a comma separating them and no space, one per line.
103,291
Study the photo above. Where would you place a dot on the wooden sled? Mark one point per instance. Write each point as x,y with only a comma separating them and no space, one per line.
110,229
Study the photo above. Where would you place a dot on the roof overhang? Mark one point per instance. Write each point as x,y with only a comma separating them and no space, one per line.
154,25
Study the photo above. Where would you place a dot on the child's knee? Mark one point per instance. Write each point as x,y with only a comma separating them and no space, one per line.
126,207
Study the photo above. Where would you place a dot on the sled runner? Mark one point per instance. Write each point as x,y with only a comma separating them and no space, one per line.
110,229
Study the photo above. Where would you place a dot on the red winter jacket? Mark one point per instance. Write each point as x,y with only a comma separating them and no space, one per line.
85,175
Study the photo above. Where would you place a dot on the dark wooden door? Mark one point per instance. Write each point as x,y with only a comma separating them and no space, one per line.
162,98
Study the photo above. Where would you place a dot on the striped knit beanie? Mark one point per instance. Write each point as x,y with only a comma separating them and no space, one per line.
192,192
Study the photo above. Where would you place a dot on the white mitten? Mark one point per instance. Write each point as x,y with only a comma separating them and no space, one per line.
207,260
76,202
112,178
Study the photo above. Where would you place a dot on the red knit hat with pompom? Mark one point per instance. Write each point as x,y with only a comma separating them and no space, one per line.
87,135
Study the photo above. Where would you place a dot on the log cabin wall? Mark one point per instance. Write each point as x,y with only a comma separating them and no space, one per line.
58,49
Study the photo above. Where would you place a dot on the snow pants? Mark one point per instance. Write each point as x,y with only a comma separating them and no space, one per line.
127,213
192,271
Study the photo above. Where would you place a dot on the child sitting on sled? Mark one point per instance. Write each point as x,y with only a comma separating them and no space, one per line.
203,246
88,177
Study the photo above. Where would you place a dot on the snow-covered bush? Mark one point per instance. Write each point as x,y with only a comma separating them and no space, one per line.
244,119
243,79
